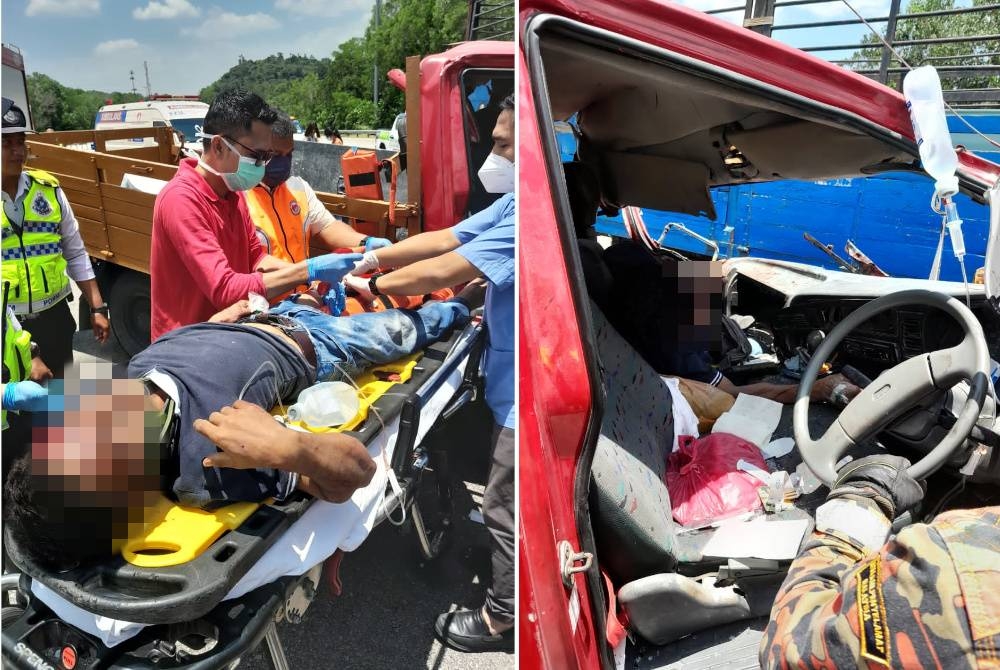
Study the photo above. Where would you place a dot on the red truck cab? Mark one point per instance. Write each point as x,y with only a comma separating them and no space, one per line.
662,96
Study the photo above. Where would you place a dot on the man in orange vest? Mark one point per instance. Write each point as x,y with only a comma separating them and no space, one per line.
286,212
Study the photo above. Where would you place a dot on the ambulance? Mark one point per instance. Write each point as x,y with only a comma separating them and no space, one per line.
185,114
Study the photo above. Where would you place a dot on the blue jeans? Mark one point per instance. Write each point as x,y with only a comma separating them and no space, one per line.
346,346
213,363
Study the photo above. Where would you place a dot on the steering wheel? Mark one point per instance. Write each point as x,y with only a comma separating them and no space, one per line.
896,390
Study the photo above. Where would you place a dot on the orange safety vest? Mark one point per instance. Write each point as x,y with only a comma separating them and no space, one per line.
280,219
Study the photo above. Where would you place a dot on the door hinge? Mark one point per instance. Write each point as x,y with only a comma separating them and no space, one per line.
572,562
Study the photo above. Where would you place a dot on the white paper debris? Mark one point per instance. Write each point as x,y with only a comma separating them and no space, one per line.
758,538
778,448
137,182
752,418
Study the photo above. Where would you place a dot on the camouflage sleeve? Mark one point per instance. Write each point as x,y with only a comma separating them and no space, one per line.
845,606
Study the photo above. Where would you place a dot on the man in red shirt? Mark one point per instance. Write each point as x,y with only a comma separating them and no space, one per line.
205,254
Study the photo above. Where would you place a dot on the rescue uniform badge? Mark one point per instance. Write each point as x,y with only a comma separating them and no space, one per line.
40,205
296,210
874,630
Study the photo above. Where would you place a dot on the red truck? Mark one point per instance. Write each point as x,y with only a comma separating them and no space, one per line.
448,141
668,103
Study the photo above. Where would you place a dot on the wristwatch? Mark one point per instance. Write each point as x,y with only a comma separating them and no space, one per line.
104,309
364,242
372,286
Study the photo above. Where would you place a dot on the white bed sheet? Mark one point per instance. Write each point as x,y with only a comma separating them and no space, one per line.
314,537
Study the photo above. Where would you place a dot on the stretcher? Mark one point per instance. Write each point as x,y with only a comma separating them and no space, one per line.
209,611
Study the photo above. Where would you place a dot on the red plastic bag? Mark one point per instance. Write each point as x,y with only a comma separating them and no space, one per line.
704,482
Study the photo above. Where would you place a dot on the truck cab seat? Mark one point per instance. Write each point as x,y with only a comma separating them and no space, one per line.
637,540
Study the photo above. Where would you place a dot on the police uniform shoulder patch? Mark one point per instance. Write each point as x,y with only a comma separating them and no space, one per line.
872,624
43,177
40,205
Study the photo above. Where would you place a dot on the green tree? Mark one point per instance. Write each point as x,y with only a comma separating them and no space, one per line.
61,108
47,101
941,55
338,91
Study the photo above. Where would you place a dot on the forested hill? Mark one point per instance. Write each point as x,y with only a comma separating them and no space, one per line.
270,78
337,92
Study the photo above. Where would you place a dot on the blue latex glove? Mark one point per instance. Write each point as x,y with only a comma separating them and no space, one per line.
331,268
374,243
26,396
335,299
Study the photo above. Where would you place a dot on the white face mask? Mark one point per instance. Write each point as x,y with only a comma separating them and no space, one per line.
497,174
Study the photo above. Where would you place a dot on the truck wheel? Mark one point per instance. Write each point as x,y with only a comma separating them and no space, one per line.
131,310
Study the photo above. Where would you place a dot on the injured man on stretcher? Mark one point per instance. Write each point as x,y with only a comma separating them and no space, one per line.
98,463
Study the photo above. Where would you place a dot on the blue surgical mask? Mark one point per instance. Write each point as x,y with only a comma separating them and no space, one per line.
248,174
278,170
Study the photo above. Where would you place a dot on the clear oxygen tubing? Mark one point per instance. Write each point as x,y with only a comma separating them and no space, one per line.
390,473
274,380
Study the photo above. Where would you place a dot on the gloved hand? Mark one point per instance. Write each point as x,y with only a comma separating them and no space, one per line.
882,479
335,299
367,263
331,268
26,396
360,286
374,243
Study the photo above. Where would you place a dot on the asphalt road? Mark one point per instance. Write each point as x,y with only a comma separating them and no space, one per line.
385,615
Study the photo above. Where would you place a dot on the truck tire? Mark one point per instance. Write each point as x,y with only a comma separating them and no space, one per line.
130,311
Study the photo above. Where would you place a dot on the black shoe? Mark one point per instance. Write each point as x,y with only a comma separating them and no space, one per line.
465,630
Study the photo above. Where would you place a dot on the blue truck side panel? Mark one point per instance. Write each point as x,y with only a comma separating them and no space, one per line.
888,216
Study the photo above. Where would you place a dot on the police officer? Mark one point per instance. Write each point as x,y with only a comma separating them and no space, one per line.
20,369
855,598
41,246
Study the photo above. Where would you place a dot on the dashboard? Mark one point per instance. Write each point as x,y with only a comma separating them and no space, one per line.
882,341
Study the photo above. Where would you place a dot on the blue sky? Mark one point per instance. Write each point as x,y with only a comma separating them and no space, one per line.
828,11
92,44
190,43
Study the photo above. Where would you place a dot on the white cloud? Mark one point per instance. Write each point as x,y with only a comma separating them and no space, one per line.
322,43
62,7
112,46
324,8
168,9
227,25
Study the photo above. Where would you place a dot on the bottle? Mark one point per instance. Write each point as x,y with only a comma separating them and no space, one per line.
326,404
922,90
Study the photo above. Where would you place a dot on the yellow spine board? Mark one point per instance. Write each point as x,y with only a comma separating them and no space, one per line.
372,384
172,535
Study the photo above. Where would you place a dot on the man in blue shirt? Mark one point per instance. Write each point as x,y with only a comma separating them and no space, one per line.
479,248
